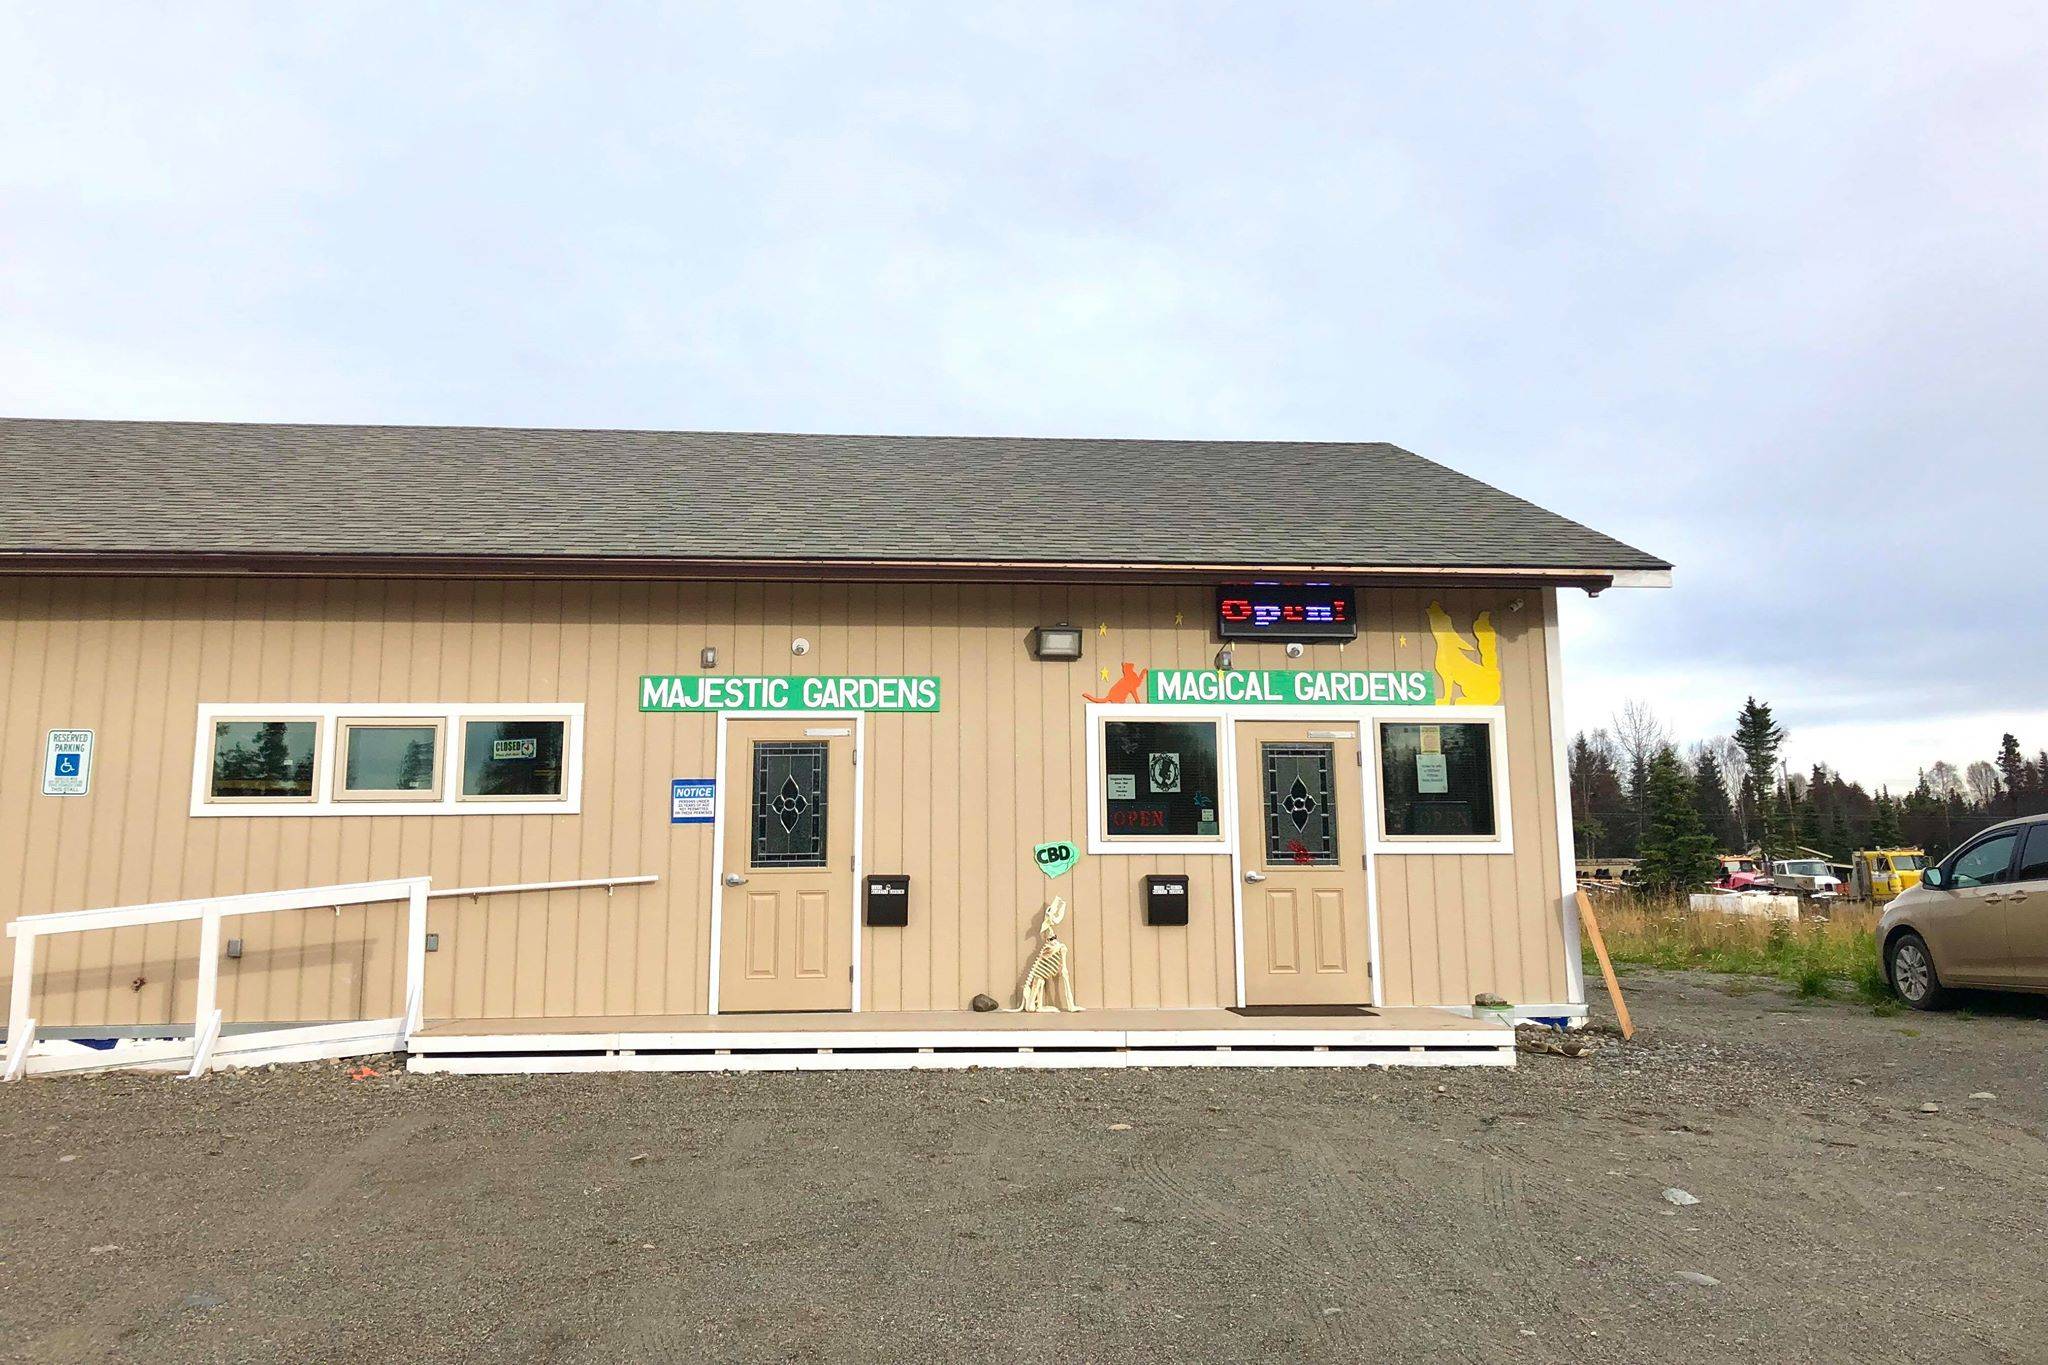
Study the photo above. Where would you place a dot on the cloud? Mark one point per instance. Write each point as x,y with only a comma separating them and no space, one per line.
1756,289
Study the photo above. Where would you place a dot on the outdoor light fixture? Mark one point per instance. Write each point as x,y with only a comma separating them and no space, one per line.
1295,649
1224,658
707,657
1060,642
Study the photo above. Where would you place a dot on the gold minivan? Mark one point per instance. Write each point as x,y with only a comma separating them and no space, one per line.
1977,918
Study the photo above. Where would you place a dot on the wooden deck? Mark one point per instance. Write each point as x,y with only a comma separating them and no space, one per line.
960,1039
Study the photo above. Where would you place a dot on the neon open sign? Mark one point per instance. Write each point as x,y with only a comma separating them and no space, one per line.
1274,611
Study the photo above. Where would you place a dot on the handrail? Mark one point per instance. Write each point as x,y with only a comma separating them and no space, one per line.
608,883
210,912
247,903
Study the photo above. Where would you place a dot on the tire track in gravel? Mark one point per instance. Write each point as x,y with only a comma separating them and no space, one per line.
123,1320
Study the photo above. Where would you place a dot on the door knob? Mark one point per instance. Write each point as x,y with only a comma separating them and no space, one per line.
735,879
1255,876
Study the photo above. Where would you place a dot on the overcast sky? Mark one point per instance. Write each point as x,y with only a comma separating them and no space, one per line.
1761,289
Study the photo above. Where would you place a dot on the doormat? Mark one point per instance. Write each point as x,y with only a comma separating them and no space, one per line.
1303,1011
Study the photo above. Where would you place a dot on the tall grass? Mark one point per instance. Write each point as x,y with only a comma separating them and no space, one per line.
1813,956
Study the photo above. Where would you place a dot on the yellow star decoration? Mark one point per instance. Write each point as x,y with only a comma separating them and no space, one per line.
1176,618
1104,672
1404,639
1102,629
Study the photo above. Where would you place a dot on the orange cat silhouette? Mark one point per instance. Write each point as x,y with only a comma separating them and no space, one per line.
1130,687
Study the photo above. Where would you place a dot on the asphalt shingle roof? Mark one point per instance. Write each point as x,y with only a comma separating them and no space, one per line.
219,488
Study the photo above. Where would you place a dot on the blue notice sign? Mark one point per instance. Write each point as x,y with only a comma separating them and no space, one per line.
692,800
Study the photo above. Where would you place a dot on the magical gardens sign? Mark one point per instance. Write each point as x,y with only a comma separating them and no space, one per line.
1291,687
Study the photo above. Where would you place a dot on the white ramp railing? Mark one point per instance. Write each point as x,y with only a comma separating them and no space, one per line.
30,929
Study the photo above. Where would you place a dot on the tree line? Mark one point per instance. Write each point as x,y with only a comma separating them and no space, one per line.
1636,794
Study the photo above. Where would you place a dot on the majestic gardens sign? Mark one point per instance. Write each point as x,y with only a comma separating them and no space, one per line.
713,692
1288,687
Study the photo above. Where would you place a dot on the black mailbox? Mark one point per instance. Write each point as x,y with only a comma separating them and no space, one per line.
1166,900
889,901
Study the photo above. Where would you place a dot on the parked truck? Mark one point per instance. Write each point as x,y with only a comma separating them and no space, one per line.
1808,877
1879,874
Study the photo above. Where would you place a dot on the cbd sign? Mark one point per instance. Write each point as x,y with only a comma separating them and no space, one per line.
1274,611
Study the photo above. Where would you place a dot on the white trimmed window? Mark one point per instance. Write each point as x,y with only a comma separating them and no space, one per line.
388,759
1443,782
1155,783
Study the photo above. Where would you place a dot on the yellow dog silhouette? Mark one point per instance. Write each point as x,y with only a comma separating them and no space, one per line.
1476,682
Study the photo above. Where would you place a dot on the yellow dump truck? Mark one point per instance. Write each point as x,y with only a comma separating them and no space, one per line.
1878,874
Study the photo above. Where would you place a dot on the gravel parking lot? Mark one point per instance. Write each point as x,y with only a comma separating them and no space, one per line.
1461,1215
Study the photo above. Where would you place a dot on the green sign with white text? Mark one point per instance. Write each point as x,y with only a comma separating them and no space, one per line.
714,692
1288,687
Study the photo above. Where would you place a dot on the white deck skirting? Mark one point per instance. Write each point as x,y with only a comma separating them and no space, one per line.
289,1043
957,1041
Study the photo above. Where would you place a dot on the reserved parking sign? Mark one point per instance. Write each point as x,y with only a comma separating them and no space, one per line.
67,763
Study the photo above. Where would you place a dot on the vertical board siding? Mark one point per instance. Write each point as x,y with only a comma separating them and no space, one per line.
954,800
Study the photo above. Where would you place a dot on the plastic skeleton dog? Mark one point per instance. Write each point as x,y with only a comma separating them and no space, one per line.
1049,963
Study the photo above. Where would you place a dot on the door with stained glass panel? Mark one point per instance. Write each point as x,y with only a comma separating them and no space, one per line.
1301,853
786,925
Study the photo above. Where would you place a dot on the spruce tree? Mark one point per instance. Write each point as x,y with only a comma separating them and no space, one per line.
1884,826
1677,853
2014,768
1710,796
1759,737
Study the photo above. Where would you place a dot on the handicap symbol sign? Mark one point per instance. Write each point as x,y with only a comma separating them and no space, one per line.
67,765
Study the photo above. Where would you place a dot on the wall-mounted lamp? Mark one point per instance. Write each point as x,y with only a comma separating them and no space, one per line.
799,646
1295,649
1056,643
234,947
707,657
1225,659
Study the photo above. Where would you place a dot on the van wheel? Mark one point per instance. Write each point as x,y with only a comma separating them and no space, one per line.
1911,969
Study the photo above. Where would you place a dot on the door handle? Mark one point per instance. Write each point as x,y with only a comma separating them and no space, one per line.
2015,895
1993,897
735,879
1255,876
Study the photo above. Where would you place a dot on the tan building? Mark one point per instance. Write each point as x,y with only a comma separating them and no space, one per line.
813,724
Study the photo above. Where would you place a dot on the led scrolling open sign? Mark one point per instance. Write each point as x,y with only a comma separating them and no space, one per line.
1274,611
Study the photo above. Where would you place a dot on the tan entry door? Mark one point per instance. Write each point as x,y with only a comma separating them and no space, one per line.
1301,854
786,934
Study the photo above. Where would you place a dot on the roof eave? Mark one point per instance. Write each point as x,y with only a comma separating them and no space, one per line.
1593,578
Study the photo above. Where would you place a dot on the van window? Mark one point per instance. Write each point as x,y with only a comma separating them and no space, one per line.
1988,863
2034,858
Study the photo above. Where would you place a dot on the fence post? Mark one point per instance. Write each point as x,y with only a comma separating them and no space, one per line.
19,1025
209,970
415,956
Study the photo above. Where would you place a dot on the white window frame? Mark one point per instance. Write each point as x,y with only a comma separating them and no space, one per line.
451,716
1099,714
237,715
1495,719
459,761
344,795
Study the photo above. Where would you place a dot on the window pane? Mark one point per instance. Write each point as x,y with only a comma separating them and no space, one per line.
1299,793
263,758
389,758
789,805
1159,778
2034,859
1437,780
1987,863
512,757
